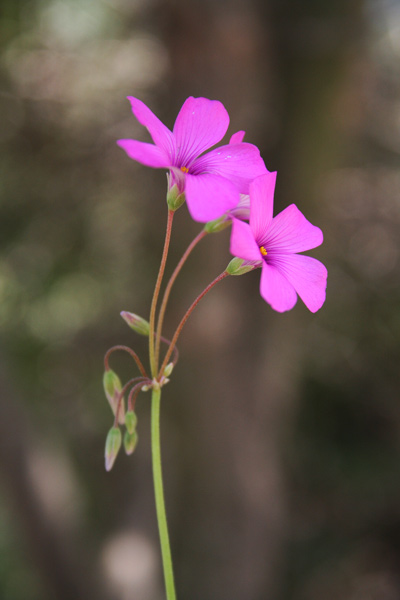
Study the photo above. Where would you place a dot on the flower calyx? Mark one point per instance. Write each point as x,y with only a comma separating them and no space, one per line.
136,323
175,198
238,266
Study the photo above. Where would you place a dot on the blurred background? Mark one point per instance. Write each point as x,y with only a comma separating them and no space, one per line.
281,433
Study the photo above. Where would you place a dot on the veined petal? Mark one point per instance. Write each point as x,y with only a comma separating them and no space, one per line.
147,154
243,243
200,124
208,196
237,138
276,289
160,134
308,277
240,163
290,232
262,204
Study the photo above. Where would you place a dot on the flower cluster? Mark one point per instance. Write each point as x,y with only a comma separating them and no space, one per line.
225,186
231,183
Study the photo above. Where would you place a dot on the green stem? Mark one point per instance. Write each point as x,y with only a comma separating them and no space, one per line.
153,356
159,494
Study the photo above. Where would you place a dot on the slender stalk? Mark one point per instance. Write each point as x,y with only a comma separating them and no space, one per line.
171,282
129,351
186,316
153,357
159,494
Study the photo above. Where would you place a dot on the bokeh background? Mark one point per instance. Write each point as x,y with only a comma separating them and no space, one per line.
281,433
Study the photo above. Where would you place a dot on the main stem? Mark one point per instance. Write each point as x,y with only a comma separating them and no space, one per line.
159,494
171,282
152,354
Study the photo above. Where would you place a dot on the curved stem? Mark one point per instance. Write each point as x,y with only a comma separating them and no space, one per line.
171,282
129,351
142,380
186,316
153,356
159,494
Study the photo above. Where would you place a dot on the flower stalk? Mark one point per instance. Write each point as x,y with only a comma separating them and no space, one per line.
152,355
171,282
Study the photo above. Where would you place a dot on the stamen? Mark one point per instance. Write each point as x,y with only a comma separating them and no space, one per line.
263,251
185,169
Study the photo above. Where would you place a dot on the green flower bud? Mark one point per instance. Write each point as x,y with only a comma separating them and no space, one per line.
130,441
168,369
130,421
136,323
112,389
217,225
235,267
175,198
113,444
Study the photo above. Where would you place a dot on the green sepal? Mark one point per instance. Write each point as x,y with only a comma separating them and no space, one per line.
217,225
113,444
112,388
235,267
168,369
175,198
130,421
130,441
136,323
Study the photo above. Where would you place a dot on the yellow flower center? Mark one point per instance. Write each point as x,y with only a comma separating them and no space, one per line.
263,251
185,169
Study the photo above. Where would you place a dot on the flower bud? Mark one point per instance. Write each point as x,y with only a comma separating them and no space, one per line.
236,267
112,388
168,369
136,323
113,444
175,198
130,441
217,225
130,421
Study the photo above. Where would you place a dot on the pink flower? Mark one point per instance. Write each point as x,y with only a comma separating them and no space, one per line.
273,244
211,182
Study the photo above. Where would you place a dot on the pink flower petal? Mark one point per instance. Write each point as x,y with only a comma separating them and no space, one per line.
200,124
240,163
237,138
262,204
276,289
160,134
242,210
243,244
308,277
290,232
147,154
208,196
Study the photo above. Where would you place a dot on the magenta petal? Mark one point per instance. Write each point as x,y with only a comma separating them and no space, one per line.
160,134
240,163
237,138
200,124
262,204
290,232
243,244
208,196
147,154
308,277
276,289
